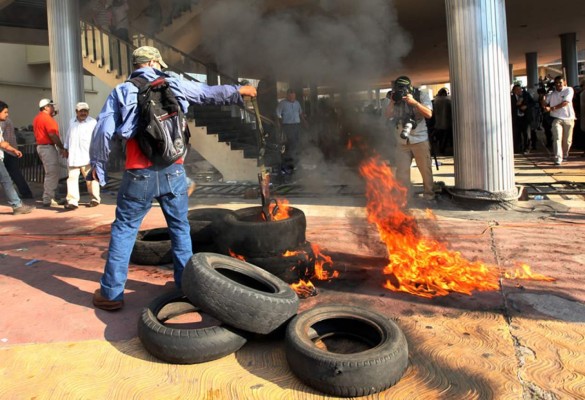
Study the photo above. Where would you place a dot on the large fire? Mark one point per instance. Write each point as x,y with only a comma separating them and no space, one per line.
419,265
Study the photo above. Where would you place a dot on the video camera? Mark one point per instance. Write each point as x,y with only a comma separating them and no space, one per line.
402,87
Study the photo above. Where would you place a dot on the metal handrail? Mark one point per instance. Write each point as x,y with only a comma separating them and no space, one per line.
98,45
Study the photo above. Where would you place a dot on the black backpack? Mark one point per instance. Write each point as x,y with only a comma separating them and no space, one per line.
162,132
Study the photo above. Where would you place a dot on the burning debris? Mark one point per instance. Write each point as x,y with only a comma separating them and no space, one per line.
305,263
418,265
304,289
278,209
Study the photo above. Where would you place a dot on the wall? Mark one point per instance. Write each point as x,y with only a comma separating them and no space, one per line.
25,78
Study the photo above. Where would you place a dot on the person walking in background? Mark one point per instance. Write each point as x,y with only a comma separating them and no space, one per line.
13,200
46,132
443,129
77,153
289,118
559,103
522,105
142,181
11,162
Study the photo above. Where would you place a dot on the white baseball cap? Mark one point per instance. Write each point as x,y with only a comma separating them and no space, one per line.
81,106
45,102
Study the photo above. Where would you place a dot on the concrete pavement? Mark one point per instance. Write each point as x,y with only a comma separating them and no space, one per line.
523,340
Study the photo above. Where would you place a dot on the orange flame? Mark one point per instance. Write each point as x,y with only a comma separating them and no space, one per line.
322,260
234,255
417,265
282,207
304,289
523,271
289,253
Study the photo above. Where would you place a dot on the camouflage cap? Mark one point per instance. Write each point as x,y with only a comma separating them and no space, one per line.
146,53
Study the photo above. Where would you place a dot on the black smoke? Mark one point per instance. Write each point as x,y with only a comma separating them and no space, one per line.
327,41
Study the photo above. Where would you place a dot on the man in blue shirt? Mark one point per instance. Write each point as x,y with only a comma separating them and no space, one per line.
290,115
142,181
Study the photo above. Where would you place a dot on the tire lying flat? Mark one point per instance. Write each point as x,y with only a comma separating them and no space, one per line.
152,247
179,345
346,351
238,293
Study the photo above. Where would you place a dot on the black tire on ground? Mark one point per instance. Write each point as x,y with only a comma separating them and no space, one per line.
152,247
205,222
292,268
246,233
181,345
238,293
346,351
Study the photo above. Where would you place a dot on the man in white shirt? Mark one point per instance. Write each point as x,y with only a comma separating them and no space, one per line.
560,105
77,150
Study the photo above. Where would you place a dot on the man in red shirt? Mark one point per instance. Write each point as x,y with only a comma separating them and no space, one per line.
46,132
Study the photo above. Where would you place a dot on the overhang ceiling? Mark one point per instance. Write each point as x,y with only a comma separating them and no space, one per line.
533,26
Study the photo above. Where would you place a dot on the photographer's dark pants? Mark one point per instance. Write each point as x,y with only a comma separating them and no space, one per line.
521,132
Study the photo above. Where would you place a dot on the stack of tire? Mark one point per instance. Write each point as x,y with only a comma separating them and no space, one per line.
246,301
246,233
243,233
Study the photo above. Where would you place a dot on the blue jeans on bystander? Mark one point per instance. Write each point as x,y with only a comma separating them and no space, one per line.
139,187
8,186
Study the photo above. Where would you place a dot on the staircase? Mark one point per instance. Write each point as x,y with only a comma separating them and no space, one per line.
226,136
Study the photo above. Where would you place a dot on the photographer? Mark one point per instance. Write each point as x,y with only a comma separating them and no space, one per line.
407,115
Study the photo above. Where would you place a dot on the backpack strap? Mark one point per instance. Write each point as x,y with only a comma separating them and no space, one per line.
138,81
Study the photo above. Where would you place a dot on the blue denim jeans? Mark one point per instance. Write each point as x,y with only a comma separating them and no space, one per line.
139,187
6,182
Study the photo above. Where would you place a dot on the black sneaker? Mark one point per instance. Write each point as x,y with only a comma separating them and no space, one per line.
71,207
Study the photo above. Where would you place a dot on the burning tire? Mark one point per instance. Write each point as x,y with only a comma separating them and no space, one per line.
184,345
205,222
245,232
346,351
152,247
295,264
237,293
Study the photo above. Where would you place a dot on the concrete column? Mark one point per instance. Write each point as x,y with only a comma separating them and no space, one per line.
480,83
569,57
532,70
65,56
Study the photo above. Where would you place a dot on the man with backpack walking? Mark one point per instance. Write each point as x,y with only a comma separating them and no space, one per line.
124,115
